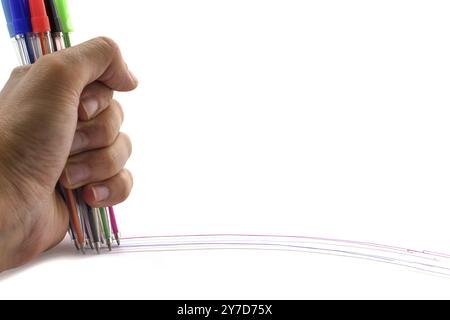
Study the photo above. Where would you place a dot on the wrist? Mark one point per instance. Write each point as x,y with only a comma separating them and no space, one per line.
11,234
11,237
5,254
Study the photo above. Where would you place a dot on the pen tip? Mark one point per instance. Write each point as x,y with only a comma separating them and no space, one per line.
116,236
97,247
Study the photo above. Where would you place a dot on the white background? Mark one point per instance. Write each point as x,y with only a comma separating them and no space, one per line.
322,118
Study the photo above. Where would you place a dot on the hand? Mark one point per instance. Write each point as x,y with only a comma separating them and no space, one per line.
58,119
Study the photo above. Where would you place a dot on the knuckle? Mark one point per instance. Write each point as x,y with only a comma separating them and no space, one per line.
127,184
113,160
119,111
108,131
54,66
19,71
128,177
107,43
127,143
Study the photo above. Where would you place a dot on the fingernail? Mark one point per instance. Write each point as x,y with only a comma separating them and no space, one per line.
101,193
80,141
77,173
90,106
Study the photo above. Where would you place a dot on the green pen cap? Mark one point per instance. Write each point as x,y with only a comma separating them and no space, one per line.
63,13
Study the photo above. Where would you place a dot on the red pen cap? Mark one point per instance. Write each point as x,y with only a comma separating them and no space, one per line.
39,18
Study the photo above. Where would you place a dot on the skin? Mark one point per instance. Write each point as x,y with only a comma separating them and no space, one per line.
59,122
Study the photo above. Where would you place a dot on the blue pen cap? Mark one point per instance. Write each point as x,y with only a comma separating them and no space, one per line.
20,12
9,23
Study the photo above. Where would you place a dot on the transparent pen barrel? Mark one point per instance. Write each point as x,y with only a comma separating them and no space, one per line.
21,48
41,44
58,41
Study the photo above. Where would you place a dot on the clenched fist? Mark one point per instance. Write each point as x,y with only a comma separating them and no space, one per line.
59,122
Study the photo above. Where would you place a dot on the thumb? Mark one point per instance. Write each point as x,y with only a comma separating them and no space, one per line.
99,60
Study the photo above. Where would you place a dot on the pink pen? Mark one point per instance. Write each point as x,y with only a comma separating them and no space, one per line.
115,229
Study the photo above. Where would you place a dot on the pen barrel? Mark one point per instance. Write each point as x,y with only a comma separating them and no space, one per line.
58,41
73,210
112,218
21,48
105,223
42,44
93,222
67,41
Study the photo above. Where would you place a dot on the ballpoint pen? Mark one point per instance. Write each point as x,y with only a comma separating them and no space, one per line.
100,225
41,39
72,235
66,22
106,228
20,29
21,52
55,25
87,225
114,226
8,17
43,44
66,25
60,22
92,217
82,213
75,221
80,209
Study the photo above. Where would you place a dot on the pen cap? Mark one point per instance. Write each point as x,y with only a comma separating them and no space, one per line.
55,21
63,13
7,11
39,18
20,12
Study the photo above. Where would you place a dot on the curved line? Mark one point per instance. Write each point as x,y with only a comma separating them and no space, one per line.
351,254
407,253
427,252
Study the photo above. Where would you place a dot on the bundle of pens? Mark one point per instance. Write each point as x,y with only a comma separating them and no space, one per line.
37,28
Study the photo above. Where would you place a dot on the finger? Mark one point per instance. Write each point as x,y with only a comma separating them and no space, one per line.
99,59
100,132
110,192
95,98
97,165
